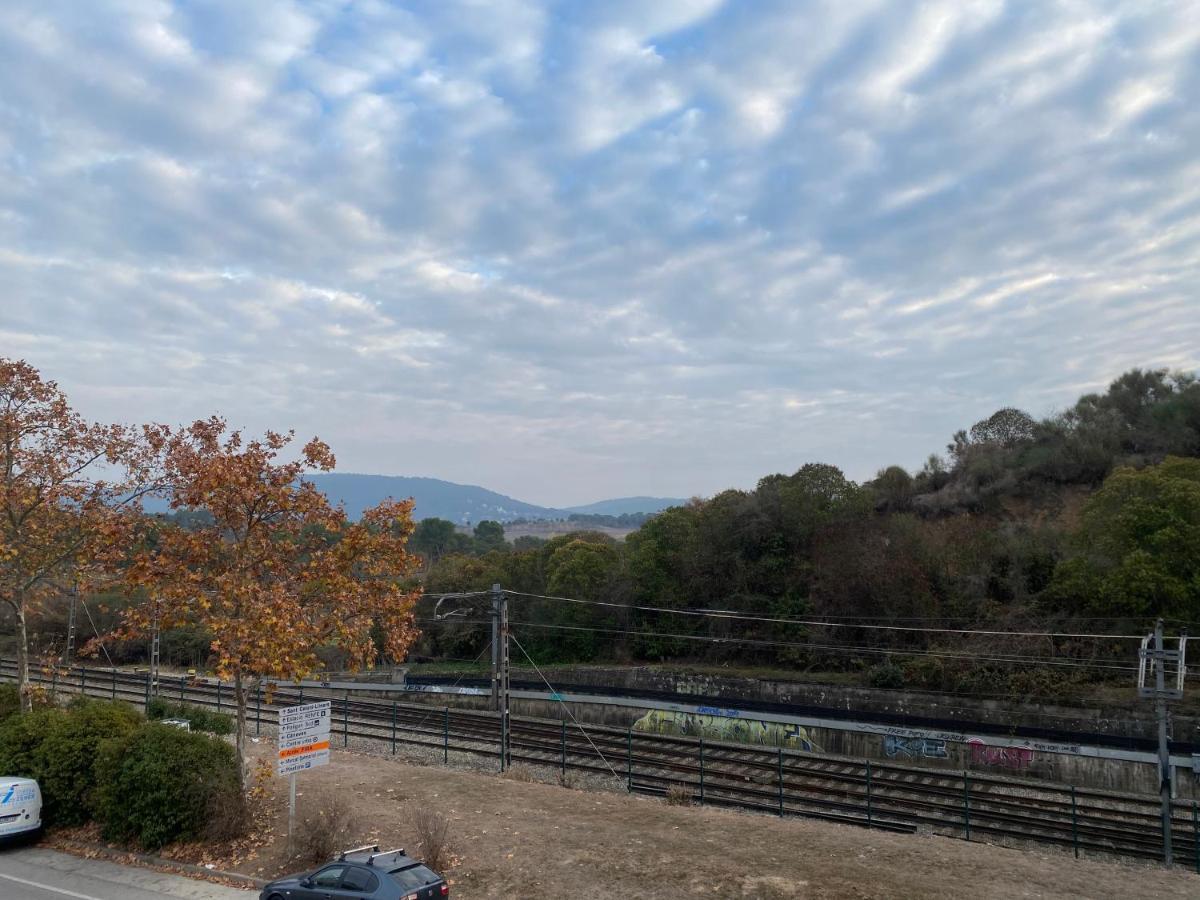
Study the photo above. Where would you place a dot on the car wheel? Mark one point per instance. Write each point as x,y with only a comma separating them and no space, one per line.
275,897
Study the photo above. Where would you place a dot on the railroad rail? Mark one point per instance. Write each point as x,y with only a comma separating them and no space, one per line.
777,781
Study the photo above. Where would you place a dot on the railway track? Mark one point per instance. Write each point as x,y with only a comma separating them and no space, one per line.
770,780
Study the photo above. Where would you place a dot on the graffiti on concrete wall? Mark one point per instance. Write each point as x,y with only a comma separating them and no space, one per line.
913,748
726,728
1007,757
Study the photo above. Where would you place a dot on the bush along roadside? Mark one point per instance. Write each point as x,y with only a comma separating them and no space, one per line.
158,784
143,782
198,717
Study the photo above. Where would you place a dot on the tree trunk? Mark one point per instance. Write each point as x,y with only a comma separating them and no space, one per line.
239,695
23,685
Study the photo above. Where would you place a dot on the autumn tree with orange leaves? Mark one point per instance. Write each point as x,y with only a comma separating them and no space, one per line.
68,492
279,572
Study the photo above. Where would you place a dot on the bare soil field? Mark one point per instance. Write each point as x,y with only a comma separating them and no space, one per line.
512,838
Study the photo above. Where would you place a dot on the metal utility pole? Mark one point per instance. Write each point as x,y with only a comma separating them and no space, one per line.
497,596
505,721
69,653
152,685
1158,657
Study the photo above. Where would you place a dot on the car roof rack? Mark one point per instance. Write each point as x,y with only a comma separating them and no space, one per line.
371,859
374,848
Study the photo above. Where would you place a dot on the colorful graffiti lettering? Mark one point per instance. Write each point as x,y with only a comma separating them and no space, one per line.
725,728
1008,757
913,748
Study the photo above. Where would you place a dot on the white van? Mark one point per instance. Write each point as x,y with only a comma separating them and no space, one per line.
20,807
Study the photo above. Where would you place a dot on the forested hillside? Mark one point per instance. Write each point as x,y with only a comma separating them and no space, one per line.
1088,518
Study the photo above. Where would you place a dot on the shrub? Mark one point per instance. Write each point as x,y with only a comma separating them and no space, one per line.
679,795
21,739
886,675
200,718
157,784
433,833
10,701
321,834
68,756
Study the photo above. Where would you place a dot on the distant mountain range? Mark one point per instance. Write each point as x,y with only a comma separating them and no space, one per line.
463,503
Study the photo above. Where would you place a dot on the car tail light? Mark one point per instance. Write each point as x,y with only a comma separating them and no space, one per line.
445,890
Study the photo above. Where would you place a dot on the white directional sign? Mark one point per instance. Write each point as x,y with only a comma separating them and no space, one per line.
303,737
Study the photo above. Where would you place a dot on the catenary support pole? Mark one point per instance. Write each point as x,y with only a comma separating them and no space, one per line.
1164,754
505,684
495,697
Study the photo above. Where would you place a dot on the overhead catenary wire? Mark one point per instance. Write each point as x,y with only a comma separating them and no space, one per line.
1012,659
713,614
553,692
99,639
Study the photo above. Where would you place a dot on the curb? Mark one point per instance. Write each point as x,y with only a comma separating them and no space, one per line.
147,859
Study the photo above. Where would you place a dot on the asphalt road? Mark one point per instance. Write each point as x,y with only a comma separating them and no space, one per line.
31,873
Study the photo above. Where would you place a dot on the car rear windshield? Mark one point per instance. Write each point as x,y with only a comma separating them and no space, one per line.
413,876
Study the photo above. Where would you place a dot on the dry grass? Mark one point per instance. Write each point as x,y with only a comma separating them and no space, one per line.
522,773
228,817
433,836
322,834
679,795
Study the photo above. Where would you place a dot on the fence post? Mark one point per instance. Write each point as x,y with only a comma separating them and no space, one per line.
629,760
967,802
446,736
218,695
701,771
258,709
1074,824
146,705
301,701
182,679
870,811
562,737
781,782
114,684
393,728
82,681
346,720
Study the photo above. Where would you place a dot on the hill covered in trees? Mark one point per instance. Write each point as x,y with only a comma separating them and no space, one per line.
1088,517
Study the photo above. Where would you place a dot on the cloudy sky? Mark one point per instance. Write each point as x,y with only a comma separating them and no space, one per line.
575,250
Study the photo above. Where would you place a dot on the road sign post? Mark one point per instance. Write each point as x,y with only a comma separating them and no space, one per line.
303,744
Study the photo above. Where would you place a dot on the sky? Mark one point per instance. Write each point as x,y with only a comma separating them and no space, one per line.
580,250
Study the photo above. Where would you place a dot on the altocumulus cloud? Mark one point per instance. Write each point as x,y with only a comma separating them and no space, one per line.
572,250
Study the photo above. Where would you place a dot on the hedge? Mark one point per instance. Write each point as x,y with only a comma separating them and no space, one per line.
159,784
58,748
198,717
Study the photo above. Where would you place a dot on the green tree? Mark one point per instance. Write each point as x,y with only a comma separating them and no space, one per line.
434,538
1138,545
489,536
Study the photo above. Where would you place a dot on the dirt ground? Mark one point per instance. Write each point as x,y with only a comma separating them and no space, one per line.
513,838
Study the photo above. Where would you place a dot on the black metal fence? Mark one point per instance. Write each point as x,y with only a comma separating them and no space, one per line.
781,782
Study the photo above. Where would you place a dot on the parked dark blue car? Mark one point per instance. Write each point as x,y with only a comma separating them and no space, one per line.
362,874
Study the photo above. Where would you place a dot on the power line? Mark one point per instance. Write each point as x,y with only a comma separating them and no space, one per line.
820,624
1009,659
564,705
